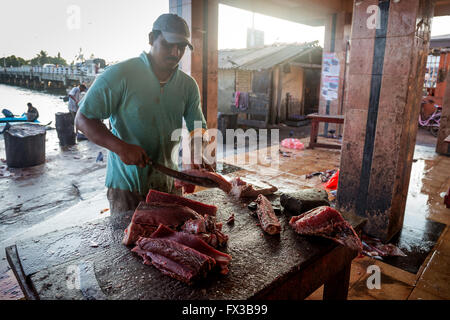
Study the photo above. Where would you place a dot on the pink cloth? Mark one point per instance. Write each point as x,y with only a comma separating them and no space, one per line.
236,99
292,143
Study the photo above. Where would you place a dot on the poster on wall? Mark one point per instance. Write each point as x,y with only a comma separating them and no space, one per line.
330,87
330,76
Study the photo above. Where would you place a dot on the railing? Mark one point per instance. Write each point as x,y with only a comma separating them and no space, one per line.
28,70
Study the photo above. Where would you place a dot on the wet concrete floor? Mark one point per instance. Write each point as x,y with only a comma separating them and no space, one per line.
32,198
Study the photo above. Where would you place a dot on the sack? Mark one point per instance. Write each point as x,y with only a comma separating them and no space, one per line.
7,113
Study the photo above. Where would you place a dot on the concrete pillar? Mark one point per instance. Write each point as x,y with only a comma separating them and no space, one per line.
444,130
389,46
201,63
337,33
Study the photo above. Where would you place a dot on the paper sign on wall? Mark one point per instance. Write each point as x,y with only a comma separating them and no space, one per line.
330,76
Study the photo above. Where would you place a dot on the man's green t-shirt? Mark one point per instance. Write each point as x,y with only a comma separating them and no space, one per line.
143,113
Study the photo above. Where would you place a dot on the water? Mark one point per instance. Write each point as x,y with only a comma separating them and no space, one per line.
15,99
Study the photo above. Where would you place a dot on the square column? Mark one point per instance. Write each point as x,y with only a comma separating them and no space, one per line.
389,47
202,63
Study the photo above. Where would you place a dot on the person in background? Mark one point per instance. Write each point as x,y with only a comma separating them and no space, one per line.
74,99
32,113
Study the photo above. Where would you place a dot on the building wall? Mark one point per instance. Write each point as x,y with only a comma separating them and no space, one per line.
227,85
243,80
292,83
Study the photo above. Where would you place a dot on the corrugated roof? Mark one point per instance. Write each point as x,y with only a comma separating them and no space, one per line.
262,58
442,41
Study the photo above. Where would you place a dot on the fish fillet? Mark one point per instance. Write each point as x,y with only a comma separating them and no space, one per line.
192,241
326,222
148,216
199,207
267,218
174,258
242,189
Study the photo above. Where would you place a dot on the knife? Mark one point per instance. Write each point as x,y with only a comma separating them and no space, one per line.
199,181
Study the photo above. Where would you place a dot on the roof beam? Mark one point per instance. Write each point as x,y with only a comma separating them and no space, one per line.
310,12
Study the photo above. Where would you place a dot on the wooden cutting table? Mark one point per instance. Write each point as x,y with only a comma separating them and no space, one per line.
315,119
89,262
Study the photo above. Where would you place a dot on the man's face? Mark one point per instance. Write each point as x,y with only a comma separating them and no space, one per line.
167,55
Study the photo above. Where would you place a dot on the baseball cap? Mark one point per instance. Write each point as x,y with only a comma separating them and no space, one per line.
173,28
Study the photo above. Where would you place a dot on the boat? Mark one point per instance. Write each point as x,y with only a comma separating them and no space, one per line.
22,118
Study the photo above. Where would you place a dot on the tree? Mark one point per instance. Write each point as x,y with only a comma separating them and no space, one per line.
58,60
42,58
13,61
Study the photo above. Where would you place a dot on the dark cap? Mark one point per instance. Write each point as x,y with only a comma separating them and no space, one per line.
173,28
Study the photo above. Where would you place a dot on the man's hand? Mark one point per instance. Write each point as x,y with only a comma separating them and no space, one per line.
96,131
132,154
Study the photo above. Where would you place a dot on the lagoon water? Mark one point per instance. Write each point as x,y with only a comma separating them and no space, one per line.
16,98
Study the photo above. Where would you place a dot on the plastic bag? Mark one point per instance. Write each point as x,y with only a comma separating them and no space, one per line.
292,143
333,182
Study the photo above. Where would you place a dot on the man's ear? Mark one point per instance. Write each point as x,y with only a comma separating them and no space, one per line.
151,38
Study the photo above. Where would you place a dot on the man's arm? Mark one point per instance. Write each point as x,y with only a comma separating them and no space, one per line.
97,132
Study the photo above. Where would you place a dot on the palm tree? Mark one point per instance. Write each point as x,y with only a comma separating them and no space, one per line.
43,57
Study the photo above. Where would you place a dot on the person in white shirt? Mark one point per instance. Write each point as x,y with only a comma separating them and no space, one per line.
74,99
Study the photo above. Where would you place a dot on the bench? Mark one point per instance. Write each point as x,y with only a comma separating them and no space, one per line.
315,119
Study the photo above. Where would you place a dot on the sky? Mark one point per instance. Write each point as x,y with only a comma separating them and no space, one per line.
117,30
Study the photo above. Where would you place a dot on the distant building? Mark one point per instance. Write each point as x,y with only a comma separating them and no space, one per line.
437,67
283,81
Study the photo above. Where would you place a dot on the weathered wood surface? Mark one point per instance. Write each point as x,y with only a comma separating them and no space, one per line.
288,266
315,119
326,118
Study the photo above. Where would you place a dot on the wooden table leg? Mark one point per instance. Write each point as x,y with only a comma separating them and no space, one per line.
314,132
337,287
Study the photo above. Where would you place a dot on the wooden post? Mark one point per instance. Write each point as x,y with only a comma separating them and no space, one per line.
201,63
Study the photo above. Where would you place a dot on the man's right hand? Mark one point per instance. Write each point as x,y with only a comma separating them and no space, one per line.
96,131
132,154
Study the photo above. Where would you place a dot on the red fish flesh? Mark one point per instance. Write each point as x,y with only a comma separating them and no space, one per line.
192,241
201,208
242,189
202,173
267,218
174,258
207,229
326,222
187,187
148,216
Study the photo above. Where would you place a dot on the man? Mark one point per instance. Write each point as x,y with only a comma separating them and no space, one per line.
74,98
32,113
146,99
